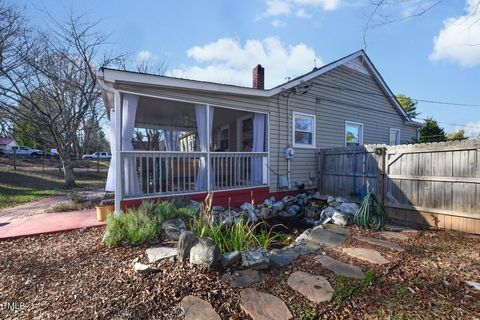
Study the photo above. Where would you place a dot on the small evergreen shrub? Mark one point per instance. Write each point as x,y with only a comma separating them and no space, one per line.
134,227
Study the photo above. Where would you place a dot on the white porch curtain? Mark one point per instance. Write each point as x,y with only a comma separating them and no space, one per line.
110,186
131,184
203,138
258,146
171,140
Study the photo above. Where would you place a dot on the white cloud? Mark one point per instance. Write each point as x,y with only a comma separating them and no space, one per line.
144,56
286,7
472,130
325,4
228,61
278,23
301,13
277,8
459,40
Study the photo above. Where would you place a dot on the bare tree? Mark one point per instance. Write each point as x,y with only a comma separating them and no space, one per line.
48,77
384,12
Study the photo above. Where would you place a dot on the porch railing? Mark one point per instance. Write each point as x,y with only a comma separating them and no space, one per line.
172,172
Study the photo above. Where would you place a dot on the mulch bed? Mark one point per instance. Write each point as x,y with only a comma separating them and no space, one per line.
73,275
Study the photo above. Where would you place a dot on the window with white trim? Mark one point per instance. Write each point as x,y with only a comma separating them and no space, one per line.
224,138
353,133
303,130
394,136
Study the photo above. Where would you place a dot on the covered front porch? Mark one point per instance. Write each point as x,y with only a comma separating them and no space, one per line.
170,147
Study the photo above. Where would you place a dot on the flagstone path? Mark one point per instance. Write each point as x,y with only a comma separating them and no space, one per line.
264,306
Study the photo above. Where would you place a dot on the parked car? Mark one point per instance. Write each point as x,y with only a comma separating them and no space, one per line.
98,155
25,151
54,153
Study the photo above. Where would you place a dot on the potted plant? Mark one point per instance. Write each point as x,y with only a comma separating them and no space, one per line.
103,209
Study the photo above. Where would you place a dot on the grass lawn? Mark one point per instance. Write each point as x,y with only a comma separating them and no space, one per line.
30,182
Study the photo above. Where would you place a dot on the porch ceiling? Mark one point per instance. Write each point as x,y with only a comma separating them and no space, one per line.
155,113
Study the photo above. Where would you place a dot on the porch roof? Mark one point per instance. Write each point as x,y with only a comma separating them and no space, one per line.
108,78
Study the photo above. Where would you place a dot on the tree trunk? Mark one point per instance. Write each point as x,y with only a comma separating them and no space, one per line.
67,166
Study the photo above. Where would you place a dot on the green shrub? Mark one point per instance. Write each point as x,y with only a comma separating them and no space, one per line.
135,227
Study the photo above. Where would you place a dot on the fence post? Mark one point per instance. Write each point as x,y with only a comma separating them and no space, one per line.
321,170
15,159
383,158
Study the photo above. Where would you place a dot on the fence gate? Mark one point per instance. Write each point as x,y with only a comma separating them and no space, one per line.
435,184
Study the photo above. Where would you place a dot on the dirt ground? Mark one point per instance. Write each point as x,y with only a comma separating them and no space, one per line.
72,275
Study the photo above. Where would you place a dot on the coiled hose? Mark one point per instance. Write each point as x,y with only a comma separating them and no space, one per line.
371,213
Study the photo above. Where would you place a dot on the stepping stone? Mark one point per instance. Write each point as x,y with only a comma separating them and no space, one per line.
368,255
337,229
160,253
244,278
284,257
198,309
392,235
381,243
316,288
263,306
397,228
341,268
326,238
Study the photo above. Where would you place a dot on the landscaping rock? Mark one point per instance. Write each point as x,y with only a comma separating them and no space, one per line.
340,219
230,258
341,200
340,268
194,204
335,228
391,235
144,268
160,253
368,255
284,257
247,206
313,212
288,200
326,237
381,243
269,202
205,253
263,306
186,241
173,228
255,258
218,209
198,309
349,208
316,288
278,206
320,197
244,278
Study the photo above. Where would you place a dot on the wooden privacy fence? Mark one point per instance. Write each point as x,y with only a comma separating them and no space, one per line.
434,184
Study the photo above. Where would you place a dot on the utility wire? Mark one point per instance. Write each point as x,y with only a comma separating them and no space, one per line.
382,94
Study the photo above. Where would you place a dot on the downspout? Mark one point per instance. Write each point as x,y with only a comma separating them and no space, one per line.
118,143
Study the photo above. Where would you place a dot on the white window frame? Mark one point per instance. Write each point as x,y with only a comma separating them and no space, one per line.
360,138
224,127
314,129
390,136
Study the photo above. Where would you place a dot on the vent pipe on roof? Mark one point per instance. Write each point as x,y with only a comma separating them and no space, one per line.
259,77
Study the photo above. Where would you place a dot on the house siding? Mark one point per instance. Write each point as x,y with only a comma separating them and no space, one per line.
327,99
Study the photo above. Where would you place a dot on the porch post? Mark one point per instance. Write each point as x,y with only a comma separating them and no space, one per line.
118,148
208,147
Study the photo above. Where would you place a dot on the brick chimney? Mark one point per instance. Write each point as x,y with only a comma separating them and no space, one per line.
259,77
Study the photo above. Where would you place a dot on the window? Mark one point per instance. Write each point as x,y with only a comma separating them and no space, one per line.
223,138
246,134
394,136
353,133
303,130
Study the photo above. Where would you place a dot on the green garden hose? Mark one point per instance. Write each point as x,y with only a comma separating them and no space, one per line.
371,213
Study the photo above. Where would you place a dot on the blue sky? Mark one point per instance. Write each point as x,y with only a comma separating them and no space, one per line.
223,40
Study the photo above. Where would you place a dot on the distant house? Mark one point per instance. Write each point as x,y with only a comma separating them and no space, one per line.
6,145
240,142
